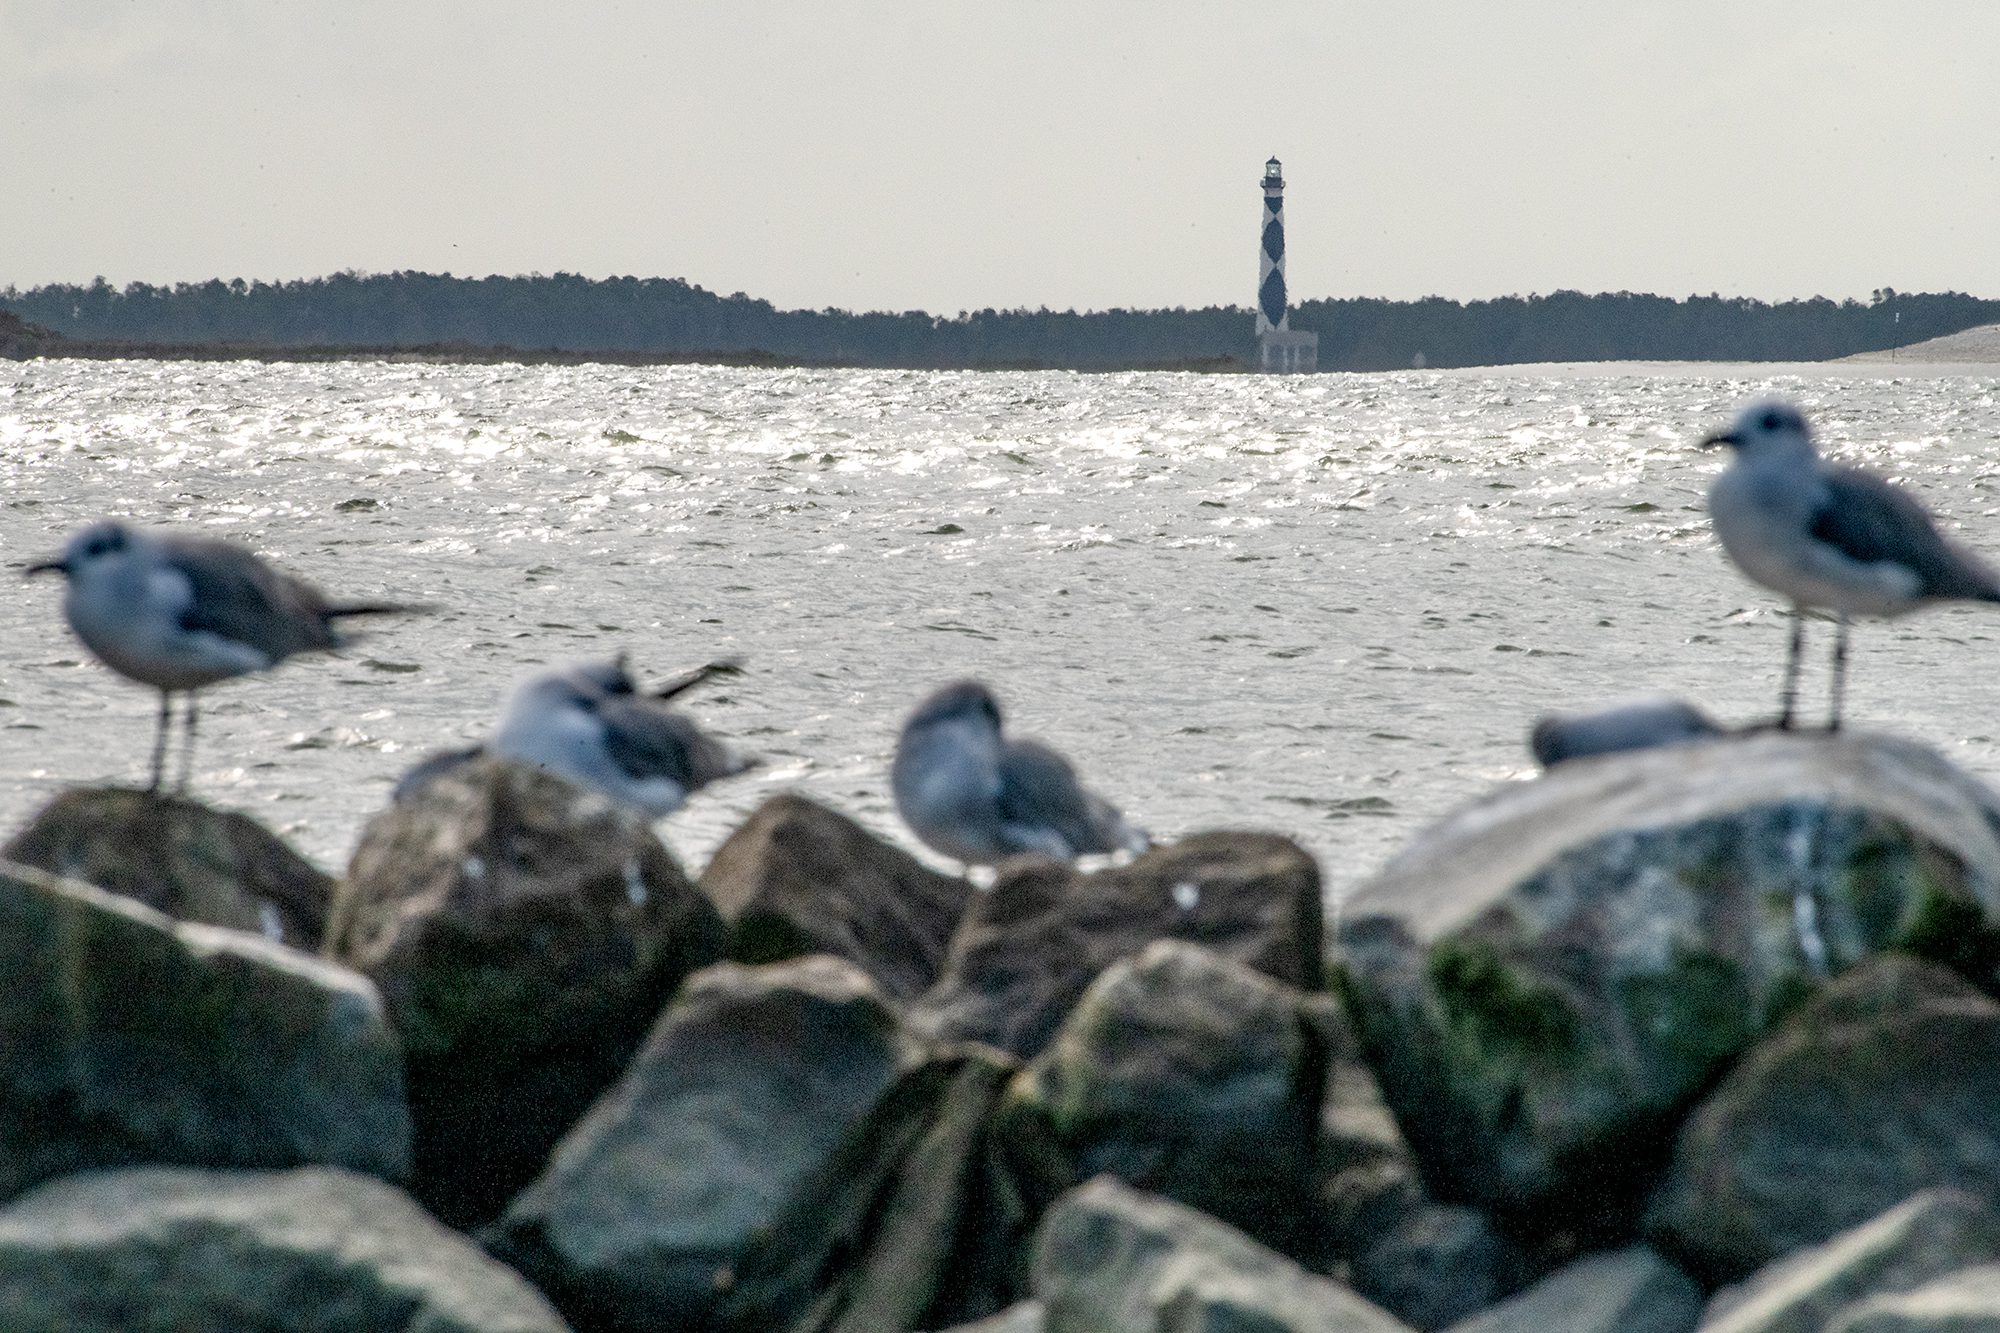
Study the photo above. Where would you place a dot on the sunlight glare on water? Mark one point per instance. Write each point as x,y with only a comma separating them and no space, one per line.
1329,606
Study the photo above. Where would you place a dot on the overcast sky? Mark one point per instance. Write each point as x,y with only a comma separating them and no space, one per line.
945,156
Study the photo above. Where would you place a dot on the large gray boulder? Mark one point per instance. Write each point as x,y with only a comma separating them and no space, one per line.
525,932
1430,1264
1886,1083
163,1250
178,856
1630,1290
797,878
1932,1234
922,1217
1197,1078
1546,980
125,1037
1025,951
746,1088
1112,1259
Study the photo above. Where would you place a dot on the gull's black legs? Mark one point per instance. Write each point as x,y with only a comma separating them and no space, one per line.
187,745
160,739
1839,674
1788,699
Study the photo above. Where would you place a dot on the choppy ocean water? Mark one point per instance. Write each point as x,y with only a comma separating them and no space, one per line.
1327,606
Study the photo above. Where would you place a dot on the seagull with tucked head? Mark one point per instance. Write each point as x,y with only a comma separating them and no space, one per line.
1829,538
590,723
978,796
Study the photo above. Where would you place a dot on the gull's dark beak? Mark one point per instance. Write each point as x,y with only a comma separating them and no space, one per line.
45,567
1728,437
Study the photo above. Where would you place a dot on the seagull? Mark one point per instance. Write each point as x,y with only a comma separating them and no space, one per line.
179,613
978,797
1642,725
1829,538
590,724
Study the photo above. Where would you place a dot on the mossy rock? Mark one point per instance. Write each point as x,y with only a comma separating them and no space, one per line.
1548,980
131,1038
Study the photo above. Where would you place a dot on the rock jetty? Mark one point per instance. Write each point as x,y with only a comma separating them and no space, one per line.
1702,1036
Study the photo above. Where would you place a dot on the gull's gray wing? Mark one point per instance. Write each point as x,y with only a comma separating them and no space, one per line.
1867,519
1039,793
239,597
647,741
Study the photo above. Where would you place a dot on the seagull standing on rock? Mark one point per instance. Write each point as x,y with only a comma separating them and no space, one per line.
1829,538
589,723
978,797
179,613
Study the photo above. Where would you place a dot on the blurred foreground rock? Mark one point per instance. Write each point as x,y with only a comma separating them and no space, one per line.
1967,1301
525,933
1429,1264
921,1219
750,1083
1545,980
315,1250
1111,1259
1025,951
1632,1290
1935,1233
1885,1084
179,857
125,1037
1197,1078
797,878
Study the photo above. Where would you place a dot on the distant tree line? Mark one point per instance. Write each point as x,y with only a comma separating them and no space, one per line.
569,313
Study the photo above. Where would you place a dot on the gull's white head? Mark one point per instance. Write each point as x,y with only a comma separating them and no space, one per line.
965,703
1770,428
100,543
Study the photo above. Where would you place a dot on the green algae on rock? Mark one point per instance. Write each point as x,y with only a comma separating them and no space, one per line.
1884,1084
1549,978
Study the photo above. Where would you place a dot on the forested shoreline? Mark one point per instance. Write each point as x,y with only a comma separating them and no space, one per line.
568,317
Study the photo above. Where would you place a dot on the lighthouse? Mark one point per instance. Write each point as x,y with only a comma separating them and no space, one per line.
1280,351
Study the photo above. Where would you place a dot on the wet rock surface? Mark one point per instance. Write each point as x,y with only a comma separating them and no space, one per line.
1025,951
1112,1259
1197,1078
1546,980
1427,1263
1885,1084
921,1219
750,1083
797,878
1736,980
164,1249
1927,1236
1631,1290
179,857
1967,1301
130,1038
524,933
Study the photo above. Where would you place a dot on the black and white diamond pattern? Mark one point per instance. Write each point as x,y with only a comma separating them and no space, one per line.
1271,312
